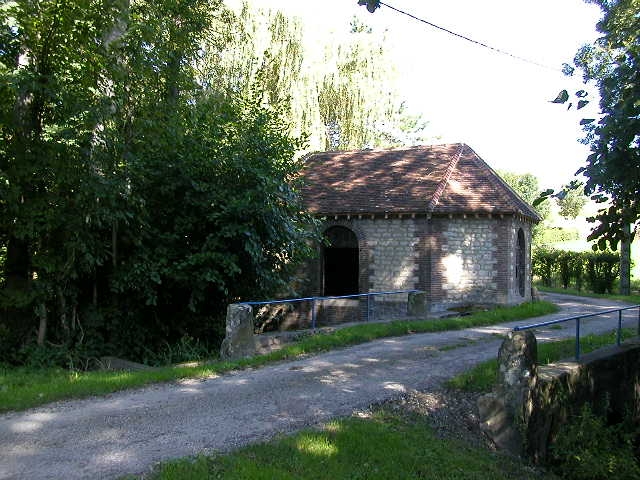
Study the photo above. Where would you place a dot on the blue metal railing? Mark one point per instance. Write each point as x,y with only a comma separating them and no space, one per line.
577,318
314,300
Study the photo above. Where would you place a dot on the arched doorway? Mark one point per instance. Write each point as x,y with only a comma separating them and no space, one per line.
520,262
340,262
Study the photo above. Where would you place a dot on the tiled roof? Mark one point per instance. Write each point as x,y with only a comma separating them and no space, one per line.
438,179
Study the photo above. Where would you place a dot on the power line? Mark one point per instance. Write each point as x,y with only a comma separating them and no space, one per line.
463,37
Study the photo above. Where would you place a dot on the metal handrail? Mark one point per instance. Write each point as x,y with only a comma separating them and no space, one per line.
313,301
577,318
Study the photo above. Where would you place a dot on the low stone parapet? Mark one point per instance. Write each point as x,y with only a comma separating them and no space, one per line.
532,403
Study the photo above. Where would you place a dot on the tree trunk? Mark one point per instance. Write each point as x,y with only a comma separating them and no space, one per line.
42,328
625,261
16,316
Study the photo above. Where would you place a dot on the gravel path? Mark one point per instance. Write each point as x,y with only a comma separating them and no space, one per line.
128,432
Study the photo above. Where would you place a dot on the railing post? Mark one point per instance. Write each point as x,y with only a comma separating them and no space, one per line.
368,305
618,337
373,310
638,320
313,313
577,338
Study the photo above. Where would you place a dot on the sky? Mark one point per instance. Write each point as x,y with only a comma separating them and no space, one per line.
498,105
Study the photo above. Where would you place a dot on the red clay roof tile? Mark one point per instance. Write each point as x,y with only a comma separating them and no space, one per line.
438,179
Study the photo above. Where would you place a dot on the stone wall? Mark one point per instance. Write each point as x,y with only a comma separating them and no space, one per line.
459,260
393,256
532,403
387,253
467,259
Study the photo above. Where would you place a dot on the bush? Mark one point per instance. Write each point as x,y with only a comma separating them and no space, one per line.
603,269
589,449
544,264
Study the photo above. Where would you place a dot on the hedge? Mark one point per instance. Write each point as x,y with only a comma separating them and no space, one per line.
560,268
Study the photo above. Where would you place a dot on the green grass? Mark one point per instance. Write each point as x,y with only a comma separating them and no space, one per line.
384,446
632,299
25,388
482,377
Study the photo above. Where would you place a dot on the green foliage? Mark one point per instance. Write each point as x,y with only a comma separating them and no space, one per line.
137,198
612,63
603,268
187,349
587,448
553,235
571,202
341,93
572,269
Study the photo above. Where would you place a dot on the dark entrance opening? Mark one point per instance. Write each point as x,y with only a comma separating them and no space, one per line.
520,262
340,262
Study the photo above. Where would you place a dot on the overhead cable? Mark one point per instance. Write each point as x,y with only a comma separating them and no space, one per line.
463,37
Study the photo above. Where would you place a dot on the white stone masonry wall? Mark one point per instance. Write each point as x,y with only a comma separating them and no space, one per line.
392,254
469,261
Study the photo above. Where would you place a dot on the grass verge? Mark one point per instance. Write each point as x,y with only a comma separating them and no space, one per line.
386,445
22,388
482,377
632,299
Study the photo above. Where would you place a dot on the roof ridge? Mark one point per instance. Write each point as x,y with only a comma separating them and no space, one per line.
506,188
401,148
445,179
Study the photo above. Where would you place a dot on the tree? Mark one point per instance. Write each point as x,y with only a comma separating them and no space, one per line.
526,185
136,199
571,202
612,169
340,95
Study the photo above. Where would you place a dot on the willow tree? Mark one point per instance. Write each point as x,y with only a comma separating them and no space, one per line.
338,92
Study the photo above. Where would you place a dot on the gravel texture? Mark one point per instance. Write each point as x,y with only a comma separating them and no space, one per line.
128,432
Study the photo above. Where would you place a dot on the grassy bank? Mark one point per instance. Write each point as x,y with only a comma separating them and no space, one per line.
632,299
482,377
22,388
387,445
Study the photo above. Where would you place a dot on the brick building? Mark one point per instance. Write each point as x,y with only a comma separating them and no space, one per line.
432,218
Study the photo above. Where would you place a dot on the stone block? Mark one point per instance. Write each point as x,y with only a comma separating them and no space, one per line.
417,304
497,422
239,341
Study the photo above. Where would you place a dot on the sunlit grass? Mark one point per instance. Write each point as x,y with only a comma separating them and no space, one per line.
483,376
22,388
384,446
